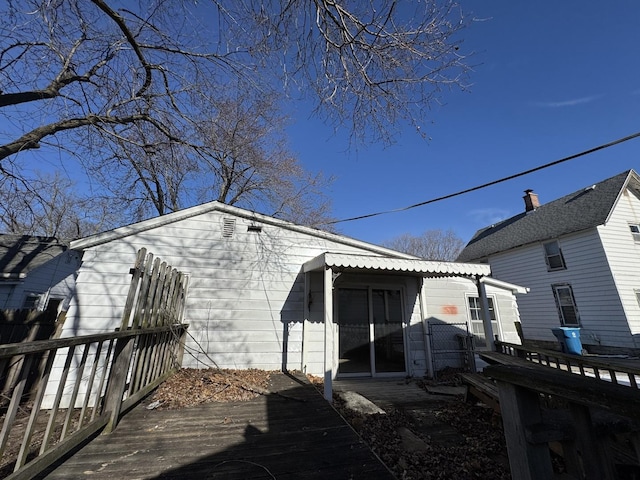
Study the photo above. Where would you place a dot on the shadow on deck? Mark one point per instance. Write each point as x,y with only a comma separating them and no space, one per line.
272,436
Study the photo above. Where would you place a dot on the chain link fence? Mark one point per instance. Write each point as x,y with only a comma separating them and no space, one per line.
451,347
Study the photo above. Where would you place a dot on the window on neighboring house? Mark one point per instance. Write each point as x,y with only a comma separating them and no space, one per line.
477,327
31,301
553,256
635,232
637,292
566,305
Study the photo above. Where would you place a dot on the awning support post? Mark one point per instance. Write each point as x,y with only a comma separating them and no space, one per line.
486,315
328,334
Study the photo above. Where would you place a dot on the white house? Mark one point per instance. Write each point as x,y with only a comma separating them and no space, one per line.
580,257
265,293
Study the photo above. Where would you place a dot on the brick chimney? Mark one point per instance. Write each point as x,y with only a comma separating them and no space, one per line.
531,201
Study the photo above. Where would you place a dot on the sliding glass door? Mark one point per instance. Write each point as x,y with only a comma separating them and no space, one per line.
370,331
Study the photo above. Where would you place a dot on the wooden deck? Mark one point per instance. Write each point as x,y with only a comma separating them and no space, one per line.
269,437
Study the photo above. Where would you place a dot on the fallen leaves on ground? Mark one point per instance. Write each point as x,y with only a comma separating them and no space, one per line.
190,387
481,454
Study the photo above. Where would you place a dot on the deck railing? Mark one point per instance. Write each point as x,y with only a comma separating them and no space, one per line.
89,381
97,378
584,365
593,448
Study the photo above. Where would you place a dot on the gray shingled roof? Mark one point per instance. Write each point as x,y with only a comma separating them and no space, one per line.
20,254
581,210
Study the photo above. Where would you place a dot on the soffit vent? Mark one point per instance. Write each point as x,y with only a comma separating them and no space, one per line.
228,227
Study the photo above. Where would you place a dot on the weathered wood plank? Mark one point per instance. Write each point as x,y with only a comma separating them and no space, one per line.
482,388
270,436
591,392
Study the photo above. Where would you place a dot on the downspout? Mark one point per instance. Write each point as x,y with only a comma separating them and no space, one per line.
486,316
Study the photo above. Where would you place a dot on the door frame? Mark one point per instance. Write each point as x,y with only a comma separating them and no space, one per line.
336,333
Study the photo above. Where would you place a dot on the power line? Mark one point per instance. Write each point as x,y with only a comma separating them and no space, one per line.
494,182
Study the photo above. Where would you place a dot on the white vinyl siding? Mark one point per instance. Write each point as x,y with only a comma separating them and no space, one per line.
447,302
623,253
246,292
601,314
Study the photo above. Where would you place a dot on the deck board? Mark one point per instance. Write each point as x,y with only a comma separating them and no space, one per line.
270,436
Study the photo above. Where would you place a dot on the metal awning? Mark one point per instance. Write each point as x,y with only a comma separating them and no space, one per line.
329,263
417,267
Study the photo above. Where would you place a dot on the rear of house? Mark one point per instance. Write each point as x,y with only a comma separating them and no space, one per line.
268,294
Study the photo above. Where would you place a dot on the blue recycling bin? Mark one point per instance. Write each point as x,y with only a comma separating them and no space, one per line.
569,338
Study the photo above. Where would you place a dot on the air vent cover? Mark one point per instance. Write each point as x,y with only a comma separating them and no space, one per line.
228,227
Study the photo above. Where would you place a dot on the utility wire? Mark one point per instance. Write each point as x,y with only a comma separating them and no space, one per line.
494,182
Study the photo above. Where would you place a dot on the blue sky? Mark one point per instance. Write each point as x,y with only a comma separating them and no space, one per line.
551,79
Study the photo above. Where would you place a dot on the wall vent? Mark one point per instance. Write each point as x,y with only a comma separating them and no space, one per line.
228,227
254,228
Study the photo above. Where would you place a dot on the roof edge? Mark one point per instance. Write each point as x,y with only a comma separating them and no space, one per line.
505,285
125,231
406,265
631,175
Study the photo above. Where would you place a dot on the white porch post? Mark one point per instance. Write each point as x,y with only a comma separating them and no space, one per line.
425,326
486,315
328,334
305,324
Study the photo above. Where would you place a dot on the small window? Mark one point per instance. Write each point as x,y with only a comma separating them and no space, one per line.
637,292
635,232
566,304
553,256
31,301
477,325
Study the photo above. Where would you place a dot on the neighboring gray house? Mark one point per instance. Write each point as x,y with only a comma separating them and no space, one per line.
580,257
35,272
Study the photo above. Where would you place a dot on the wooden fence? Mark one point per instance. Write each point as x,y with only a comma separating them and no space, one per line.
27,325
97,377
17,326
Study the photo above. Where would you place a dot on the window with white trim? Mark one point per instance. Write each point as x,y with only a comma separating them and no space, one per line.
565,301
553,256
477,325
635,232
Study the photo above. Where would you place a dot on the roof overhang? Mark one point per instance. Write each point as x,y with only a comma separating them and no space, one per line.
367,263
505,285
